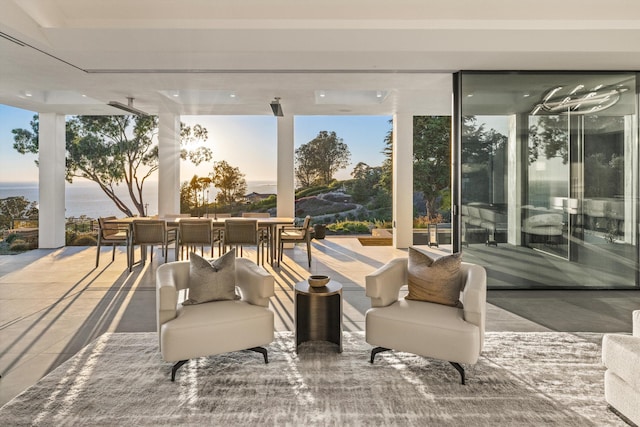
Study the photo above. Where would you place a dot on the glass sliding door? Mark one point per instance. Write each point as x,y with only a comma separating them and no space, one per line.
549,178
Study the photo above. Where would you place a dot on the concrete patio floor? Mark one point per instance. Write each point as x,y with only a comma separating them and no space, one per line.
54,302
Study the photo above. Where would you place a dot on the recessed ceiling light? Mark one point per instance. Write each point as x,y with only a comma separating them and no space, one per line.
526,95
232,95
322,94
27,93
470,95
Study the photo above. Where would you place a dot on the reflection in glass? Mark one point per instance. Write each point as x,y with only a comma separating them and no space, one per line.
549,178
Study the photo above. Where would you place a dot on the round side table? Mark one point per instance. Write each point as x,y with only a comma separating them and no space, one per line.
318,313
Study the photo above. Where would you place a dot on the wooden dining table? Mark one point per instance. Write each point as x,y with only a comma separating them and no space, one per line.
271,223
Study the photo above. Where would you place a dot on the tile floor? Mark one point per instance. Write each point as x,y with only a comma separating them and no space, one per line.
53,302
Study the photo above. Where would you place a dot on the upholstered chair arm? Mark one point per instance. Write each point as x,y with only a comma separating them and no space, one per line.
256,285
383,285
474,296
170,279
636,323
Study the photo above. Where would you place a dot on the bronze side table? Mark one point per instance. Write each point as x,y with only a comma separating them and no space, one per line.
318,313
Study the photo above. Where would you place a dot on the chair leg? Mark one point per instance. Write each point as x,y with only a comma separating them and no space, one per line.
261,350
309,250
98,252
176,367
113,253
376,351
460,369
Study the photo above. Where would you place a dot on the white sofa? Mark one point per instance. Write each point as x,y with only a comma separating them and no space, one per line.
427,329
187,332
621,357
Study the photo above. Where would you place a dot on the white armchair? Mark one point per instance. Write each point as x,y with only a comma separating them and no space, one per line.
427,329
191,331
621,357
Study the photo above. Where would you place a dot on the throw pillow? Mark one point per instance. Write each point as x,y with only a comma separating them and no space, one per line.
211,280
436,281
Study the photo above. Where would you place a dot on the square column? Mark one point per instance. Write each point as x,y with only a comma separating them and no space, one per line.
286,187
168,164
402,146
51,159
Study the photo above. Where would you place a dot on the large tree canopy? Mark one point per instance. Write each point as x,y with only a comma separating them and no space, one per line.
16,207
114,150
230,181
318,160
432,159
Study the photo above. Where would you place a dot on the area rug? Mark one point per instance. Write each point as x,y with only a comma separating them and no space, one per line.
528,379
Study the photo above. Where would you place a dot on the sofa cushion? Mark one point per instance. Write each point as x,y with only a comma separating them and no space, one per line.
213,280
621,355
436,281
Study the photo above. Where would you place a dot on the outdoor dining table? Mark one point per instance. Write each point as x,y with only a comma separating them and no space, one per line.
272,223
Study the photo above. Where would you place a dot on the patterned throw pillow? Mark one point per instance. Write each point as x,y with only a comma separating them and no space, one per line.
212,280
436,281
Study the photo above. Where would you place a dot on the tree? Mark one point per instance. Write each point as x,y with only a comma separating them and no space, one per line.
431,159
111,150
386,177
16,207
190,192
230,181
366,181
318,160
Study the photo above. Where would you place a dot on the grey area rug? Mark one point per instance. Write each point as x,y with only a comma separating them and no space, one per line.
522,379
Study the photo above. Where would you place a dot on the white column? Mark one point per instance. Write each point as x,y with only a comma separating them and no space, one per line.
514,178
286,188
403,180
168,164
51,158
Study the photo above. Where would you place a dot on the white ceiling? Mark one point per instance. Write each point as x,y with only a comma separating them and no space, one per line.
76,55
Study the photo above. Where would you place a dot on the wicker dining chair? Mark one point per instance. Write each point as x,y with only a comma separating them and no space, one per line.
150,233
111,234
241,232
195,232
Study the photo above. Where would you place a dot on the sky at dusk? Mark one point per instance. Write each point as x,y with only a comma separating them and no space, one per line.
247,142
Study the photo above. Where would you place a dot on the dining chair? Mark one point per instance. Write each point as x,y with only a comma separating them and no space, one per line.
195,232
218,229
150,233
265,232
241,232
292,234
111,234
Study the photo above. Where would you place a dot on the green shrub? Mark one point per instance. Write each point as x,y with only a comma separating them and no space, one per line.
20,245
350,227
11,237
84,240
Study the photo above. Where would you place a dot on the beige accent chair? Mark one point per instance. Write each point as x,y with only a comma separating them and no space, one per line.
423,328
621,357
191,331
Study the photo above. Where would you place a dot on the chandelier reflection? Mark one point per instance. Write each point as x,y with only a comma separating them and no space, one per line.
560,100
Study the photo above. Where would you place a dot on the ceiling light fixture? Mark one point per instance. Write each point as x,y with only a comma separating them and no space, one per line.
276,107
579,101
128,107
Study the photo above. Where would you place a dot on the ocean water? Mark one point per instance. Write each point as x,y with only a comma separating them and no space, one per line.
86,198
